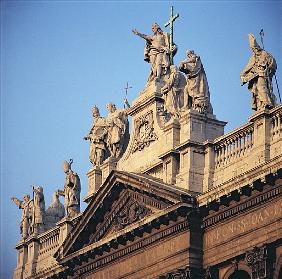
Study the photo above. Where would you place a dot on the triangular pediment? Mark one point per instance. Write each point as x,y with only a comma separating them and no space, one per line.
129,208
124,200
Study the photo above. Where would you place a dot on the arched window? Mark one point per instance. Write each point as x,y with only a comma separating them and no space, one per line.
239,274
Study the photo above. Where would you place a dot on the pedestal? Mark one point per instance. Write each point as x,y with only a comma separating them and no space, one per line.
109,165
94,182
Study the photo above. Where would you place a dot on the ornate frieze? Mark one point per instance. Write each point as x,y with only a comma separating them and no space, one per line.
144,132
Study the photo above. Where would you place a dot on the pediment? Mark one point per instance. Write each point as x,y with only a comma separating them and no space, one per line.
121,202
129,208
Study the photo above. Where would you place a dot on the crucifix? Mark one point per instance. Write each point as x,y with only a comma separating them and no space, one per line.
170,24
126,90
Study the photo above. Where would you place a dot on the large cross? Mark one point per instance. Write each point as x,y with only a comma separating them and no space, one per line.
170,24
126,90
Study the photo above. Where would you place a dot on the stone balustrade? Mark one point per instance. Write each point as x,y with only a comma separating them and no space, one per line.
243,155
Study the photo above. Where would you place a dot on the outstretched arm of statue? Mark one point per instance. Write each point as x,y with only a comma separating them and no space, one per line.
61,192
145,37
17,202
87,137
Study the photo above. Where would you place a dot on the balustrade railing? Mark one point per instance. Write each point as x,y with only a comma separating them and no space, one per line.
276,124
233,146
49,241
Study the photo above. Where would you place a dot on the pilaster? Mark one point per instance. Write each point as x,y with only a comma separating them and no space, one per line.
262,136
32,248
21,260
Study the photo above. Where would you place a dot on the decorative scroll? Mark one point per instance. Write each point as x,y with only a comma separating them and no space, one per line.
144,132
259,260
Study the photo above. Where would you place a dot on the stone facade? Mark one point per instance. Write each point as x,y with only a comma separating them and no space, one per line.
179,199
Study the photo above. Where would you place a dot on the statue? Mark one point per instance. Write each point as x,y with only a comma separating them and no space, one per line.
197,93
97,137
39,210
258,73
71,191
27,212
171,91
157,51
117,129
55,212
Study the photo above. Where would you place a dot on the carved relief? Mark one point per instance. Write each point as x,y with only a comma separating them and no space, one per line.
132,212
183,273
144,132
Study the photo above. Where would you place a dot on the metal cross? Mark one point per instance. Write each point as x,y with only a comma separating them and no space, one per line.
126,88
170,24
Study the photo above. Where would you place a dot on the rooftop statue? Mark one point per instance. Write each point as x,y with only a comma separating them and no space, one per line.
39,210
71,191
27,211
196,92
97,137
171,91
118,132
55,212
258,73
157,51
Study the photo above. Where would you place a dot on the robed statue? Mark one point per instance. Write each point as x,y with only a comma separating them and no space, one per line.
258,74
196,92
71,192
157,51
97,137
118,130
26,205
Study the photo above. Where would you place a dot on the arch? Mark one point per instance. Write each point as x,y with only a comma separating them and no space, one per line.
242,267
240,274
278,268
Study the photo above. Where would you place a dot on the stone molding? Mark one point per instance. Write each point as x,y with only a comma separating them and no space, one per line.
241,207
102,260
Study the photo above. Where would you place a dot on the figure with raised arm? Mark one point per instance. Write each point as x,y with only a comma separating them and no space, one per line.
258,73
27,212
71,191
157,51
97,137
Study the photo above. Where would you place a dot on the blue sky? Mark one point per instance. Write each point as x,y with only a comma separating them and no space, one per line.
59,58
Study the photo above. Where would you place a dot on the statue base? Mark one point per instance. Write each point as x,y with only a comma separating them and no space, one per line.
94,182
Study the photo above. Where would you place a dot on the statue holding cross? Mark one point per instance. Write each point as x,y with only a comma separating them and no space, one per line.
159,49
